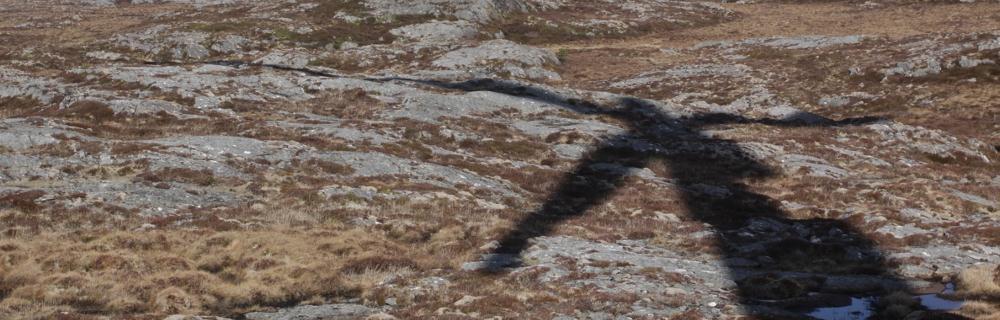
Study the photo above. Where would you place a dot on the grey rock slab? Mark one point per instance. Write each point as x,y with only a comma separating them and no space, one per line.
859,156
810,42
213,82
645,174
949,259
193,317
989,44
570,151
917,271
207,102
843,100
966,62
480,11
518,60
923,216
149,200
801,42
287,59
217,83
156,39
973,198
319,312
927,57
900,232
434,282
336,129
634,253
758,98
915,67
550,124
438,32
835,101
158,161
429,107
104,55
788,113
19,133
20,167
142,40
188,45
230,44
220,147
197,3
143,106
815,166
367,164
761,151
16,83
682,72
937,143
156,201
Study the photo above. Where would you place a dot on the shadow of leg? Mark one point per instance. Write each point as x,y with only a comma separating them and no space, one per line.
590,184
780,265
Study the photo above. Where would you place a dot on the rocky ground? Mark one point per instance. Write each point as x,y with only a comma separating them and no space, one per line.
514,159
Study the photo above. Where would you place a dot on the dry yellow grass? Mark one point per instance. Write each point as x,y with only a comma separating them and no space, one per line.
304,255
980,310
185,271
979,281
980,286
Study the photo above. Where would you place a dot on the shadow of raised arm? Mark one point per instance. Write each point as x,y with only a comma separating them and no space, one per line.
794,120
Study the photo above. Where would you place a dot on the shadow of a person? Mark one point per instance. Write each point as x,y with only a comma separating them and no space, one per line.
794,266
695,160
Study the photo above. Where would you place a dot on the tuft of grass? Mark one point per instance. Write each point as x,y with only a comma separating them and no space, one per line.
378,263
328,9
224,26
772,287
987,72
562,55
330,167
526,29
980,310
332,30
170,272
896,305
980,281
18,106
203,177
346,104
768,53
95,111
24,201
979,286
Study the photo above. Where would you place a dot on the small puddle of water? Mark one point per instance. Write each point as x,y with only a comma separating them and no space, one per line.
861,308
935,302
